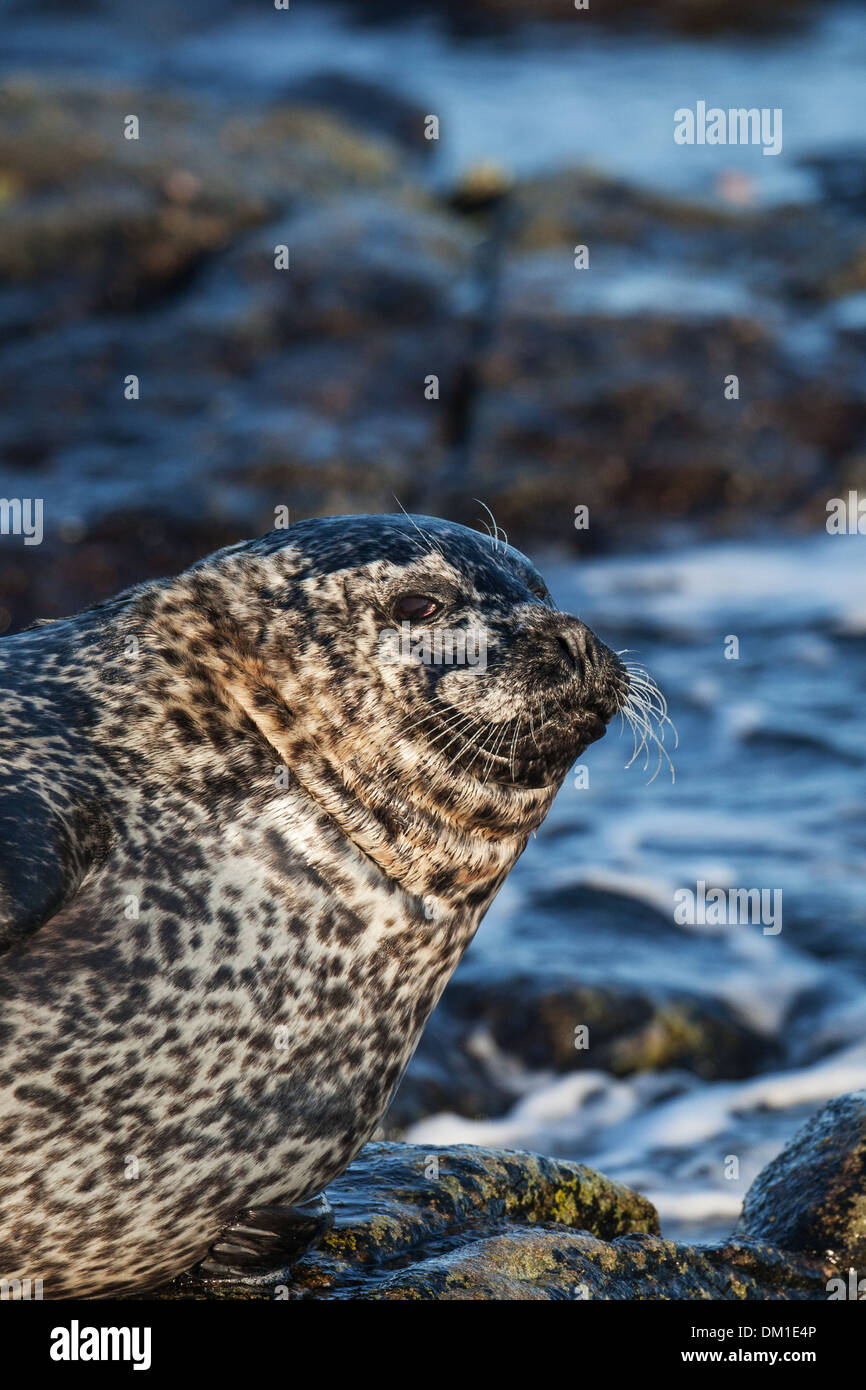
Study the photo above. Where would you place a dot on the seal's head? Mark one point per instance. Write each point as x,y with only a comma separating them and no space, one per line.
462,645
404,668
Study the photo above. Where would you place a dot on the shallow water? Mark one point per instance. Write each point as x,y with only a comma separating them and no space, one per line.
769,793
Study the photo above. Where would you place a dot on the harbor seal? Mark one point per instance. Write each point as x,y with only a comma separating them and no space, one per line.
246,838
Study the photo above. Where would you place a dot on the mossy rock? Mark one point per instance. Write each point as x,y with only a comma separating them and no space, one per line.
812,1198
472,1224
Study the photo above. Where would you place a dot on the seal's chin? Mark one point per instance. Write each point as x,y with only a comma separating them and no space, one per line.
533,749
558,724
542,757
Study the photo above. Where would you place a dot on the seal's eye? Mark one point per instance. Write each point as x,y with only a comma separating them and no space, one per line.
411,608
539,591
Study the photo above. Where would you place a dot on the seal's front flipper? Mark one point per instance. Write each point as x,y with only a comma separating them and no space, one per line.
267,1240
46,851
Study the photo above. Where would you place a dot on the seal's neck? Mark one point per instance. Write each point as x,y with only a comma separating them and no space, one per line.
434,830
440,834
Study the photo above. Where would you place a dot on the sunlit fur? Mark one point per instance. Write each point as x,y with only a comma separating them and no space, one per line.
242,855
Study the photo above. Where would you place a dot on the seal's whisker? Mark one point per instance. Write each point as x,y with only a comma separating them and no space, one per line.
646,693
638,739
405,728
429,539
452,731
497,532
481,748
423,549
494,752
532,731
636,715
466,746
514,744
640,681
493,534
646,711
457,731
425,718
649,702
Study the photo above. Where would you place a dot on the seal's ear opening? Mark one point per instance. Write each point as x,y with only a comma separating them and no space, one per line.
44,857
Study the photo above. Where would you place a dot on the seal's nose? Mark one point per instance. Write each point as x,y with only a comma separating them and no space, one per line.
572,649
575,644
602,678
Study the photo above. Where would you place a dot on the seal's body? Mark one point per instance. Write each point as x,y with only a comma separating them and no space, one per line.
244,845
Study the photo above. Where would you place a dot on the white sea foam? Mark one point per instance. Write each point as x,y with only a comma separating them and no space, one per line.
668,1147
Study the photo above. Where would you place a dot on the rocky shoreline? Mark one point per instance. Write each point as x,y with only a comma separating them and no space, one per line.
466,1223
309,388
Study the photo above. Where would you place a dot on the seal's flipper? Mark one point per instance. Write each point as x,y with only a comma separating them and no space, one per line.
45,853
267,1240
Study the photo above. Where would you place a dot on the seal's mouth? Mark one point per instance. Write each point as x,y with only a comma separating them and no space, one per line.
596,727
539,755
532,749
557,717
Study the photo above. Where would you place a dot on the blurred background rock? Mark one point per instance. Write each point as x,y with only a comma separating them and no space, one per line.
410,257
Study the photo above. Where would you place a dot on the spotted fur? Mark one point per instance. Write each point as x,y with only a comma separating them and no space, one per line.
241,856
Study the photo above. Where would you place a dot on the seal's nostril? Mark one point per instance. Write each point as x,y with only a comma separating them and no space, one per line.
571,649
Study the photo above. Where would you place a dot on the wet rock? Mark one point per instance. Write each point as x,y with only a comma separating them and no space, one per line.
78,566
793,250
630,417
102,221
842,176
812,1198
258,389
614,377
556,1265
361,263
465,1223
365,105
398,1203
306,388
700,257
487,1034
